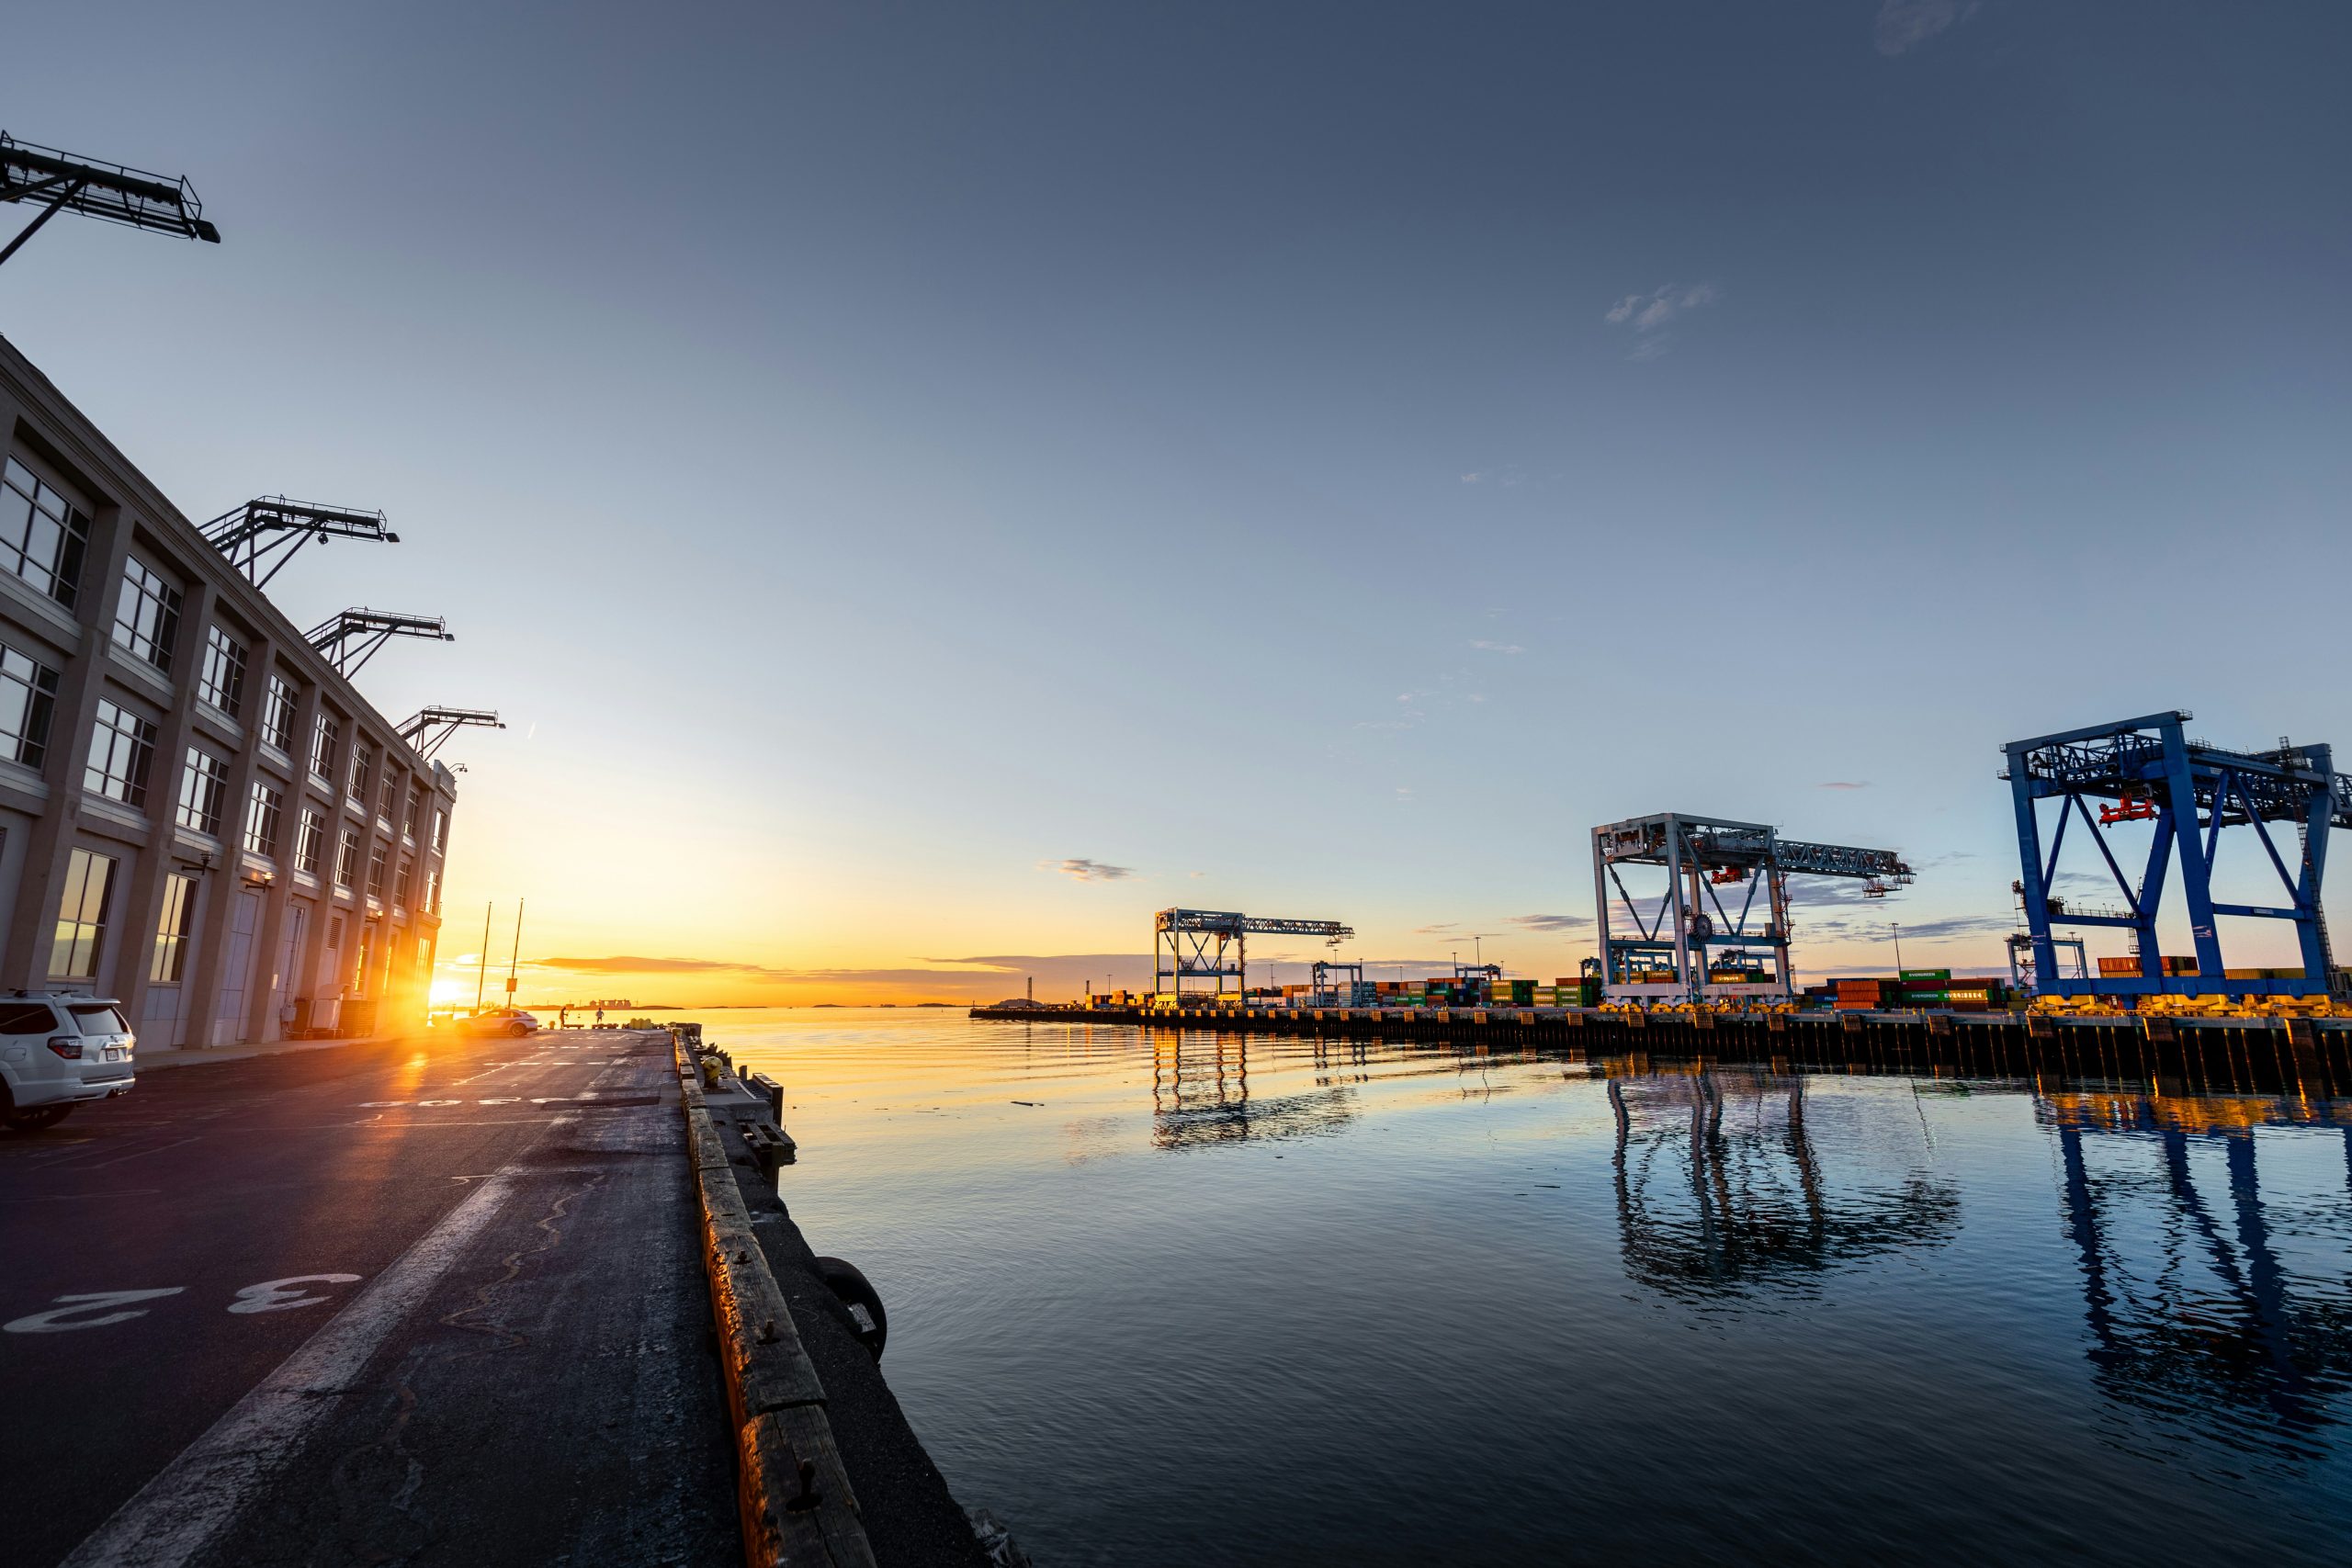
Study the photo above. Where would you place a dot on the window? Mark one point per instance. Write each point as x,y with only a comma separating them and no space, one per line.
28,701
334,933
325,735
440,832
121,747
400,882
171,929
261,818
147,617
42,539
311,842
27,1018
415,817
376,858
363,770
359,966
346,860
204,790
81,916
277,714
391,796
432,904
223,682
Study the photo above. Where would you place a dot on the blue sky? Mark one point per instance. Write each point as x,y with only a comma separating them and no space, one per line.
1318,460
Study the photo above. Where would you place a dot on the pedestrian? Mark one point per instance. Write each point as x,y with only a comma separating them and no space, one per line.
563,1016
600,1018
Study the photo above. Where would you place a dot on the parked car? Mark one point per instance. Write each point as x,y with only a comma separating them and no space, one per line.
499,1020
58,1049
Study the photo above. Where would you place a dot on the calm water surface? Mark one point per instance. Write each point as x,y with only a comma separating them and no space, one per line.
1206,1300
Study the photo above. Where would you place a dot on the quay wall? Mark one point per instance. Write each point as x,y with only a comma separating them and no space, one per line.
2314,1052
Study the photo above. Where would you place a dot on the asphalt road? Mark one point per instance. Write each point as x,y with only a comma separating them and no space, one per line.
384,1303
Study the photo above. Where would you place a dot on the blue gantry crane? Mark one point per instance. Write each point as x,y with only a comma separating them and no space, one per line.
2149,769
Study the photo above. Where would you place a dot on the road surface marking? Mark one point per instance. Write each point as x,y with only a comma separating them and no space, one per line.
188,1503
275,1295
86,1300
75,1197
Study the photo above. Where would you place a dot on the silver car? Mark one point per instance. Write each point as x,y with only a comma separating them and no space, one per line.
58,1049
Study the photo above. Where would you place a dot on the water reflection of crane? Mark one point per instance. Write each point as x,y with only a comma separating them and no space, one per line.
1714,1205
2191,1310
1200,1095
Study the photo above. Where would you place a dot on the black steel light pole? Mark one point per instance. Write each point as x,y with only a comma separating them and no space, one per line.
110,191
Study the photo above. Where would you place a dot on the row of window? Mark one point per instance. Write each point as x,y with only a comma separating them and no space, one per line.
87,900
122,748
147,626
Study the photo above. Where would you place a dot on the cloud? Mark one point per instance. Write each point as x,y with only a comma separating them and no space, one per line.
1647,312
1444,928
1088,870
1552,923
630,964
1843,783
1807,892
1499,647
1508,477
1906,23
1956,925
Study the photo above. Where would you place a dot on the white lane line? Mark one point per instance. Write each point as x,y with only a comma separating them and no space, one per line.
172,1518
135,1154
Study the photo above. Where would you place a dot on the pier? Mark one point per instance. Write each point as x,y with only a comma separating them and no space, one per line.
461,1301
2217,1051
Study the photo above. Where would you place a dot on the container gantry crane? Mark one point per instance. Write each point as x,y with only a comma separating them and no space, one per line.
1681,951
1212,944
2151,770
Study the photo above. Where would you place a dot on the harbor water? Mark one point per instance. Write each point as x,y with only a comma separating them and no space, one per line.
1164,1298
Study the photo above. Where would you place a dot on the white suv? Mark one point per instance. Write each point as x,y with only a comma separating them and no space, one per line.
57,1049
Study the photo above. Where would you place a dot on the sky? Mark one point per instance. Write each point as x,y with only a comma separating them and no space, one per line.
929,485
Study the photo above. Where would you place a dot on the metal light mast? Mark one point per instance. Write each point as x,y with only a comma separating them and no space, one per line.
270,528
429,729
110,191
350,637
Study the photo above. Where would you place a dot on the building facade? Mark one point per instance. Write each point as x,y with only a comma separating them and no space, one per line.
199,816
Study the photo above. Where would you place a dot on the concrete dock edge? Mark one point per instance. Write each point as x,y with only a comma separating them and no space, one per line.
793,1493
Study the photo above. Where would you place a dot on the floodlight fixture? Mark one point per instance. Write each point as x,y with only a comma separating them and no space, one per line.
350,637
269,530
109,191
429,728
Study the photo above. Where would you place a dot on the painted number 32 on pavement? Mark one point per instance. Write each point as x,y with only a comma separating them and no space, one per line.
96,1309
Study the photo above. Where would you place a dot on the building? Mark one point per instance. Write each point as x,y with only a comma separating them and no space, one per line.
198,814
